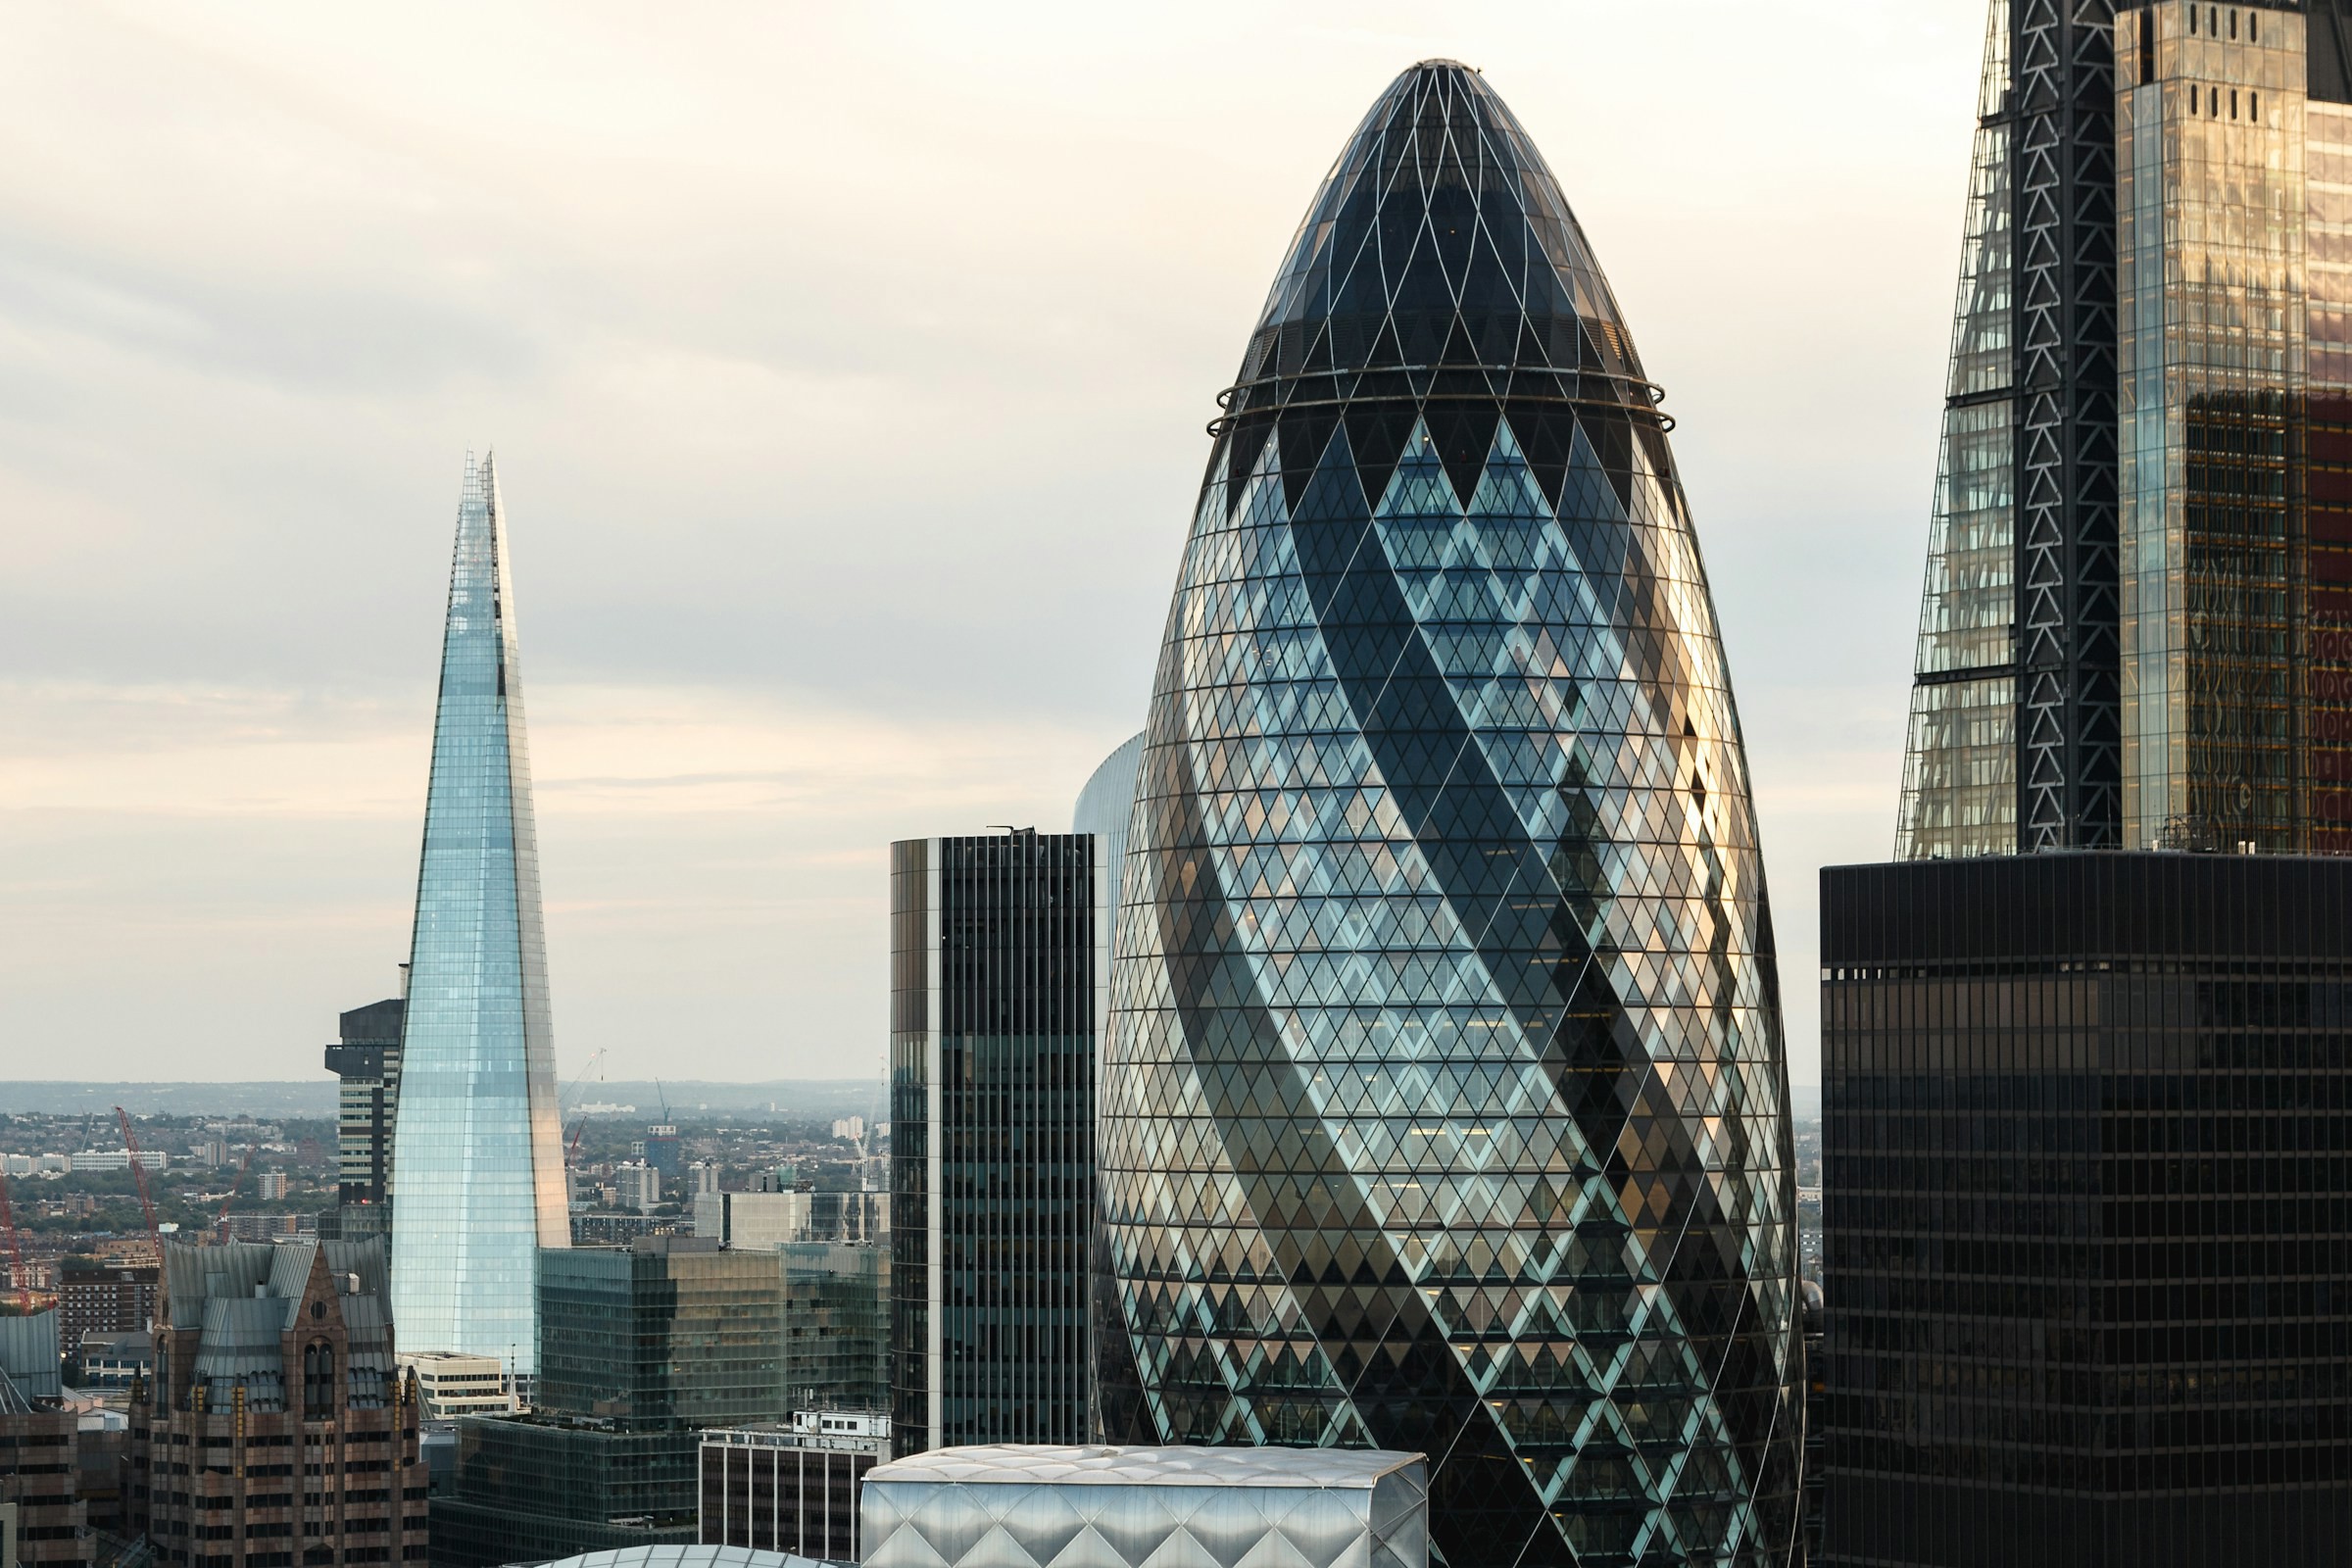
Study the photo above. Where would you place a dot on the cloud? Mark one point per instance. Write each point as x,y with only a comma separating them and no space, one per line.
846,366
245,860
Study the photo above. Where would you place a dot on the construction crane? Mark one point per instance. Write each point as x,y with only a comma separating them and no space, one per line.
16,1249
220,1220
138,1174
578,1127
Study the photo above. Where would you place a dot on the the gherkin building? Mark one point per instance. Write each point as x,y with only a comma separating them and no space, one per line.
1443,1105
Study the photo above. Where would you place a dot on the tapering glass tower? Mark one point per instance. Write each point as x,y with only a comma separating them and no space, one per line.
1960,767
1444,1107
478,1166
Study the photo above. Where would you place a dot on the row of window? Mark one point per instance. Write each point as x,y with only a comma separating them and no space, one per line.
2211,97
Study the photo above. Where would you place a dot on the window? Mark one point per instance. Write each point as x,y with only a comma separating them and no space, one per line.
318,1382
2234,103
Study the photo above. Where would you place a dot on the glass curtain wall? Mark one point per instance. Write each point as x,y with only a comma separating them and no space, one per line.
478,1165
1443,1108
1960,762
2209,253
2324,582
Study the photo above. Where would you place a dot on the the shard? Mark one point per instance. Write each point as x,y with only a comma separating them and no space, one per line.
478,1164
1443,1105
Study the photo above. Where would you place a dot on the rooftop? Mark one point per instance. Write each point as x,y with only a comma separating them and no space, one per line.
681,1556
1032,1464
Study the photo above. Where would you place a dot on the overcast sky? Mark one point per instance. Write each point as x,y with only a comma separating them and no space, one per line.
846,366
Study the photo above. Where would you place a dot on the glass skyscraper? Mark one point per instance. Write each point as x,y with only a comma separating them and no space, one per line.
478,1162
2088,1196
996,991
1444,1107
1104,806
2136,629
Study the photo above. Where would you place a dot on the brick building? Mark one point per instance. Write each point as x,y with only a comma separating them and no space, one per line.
277,1430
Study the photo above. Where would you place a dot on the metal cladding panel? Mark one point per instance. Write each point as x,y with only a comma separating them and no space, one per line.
927,1524
28,1354
478,1164
1442,1106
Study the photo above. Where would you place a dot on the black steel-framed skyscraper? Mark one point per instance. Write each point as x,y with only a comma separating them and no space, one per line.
2087,1135
1444,1107
996,991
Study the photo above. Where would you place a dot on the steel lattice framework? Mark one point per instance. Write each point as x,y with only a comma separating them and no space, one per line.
2062,103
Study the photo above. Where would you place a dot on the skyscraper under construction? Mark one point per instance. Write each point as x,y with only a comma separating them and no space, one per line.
2137,628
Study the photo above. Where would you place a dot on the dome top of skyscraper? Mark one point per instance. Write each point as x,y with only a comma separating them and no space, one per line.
1439,258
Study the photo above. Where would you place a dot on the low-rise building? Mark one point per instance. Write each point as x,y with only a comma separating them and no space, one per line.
116,1360
452,1385
956,1507
780,1218
277,1429
103,1159
792,1488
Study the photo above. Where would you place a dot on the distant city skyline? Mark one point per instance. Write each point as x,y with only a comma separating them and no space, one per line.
272,267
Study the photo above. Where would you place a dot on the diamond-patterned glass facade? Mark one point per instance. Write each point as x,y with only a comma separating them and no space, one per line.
1443,1107
478,1166
1044,1506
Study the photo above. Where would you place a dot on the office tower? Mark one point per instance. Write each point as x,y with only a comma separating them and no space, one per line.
366,1057
792,1488
837,1319
277,1430
660,1149
2088,1156
641,1346
105,1299
1443,1107
996,991
478,1159
2137,619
